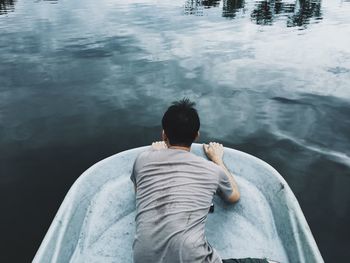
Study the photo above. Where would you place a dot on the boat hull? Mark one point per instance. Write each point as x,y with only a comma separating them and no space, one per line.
95,222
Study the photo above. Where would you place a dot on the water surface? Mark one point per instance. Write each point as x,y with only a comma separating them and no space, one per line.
81,80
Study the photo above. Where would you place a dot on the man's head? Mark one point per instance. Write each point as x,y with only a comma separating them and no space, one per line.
181,123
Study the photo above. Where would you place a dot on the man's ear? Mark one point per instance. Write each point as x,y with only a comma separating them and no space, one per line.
197,136
164,138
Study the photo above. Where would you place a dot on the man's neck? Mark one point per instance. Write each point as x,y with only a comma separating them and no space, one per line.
179,147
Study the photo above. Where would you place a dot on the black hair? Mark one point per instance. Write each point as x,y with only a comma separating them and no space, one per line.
181,123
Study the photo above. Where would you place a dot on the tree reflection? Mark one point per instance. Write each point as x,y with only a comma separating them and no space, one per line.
231,7
304,11
299,13
265,12
210,3
193,7
7,6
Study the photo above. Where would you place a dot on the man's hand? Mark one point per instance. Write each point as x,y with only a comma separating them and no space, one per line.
159,145
214,151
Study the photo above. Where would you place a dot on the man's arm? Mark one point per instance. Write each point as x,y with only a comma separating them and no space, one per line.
215,152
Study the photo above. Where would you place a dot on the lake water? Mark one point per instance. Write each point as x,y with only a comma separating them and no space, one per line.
82,80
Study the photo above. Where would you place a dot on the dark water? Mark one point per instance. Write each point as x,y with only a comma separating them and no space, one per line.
82,80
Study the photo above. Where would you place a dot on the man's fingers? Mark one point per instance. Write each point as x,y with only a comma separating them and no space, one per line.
214,145
159,145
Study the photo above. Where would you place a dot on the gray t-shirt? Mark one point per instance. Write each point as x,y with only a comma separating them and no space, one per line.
175,189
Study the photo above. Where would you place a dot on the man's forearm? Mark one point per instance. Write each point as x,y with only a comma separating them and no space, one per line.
230,177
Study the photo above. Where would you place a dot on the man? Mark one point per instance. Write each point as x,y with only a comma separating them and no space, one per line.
174,191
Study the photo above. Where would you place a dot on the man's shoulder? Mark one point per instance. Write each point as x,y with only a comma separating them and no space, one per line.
206,163
142,155
148,155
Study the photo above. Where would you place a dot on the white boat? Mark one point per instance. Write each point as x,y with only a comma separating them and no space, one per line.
95,222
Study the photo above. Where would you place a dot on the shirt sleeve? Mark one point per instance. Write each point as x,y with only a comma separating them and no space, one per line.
224,188
138,161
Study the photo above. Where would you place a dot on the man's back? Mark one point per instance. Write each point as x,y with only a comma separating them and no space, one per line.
175,189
